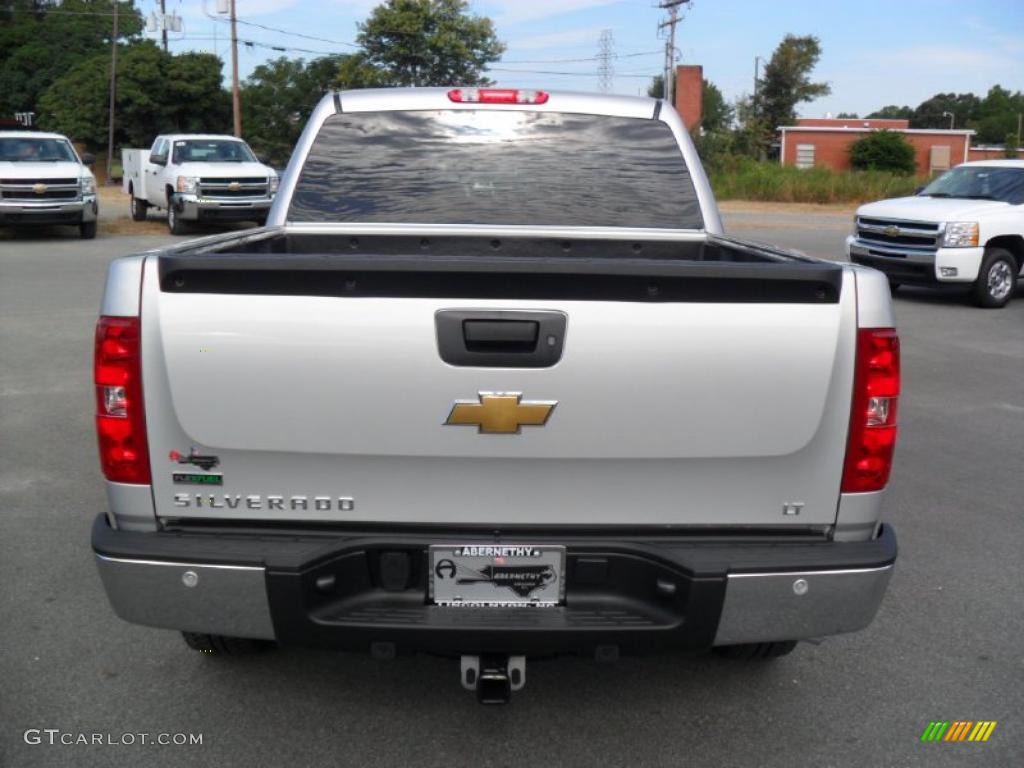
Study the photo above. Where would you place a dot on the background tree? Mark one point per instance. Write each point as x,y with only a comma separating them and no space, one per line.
41,41
892,112
656,90
785,84
847,116
883,151
157,92
429,42
932,113
787,80
718,114
278,98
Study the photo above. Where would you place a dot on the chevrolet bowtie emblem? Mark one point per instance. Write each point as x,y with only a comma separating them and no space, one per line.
234,186
39,188
501,413
893,231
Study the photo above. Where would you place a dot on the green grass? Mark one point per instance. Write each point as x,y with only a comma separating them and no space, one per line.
742,178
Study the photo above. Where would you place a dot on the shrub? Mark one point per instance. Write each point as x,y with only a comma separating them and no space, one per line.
1012,150
744,178
883,151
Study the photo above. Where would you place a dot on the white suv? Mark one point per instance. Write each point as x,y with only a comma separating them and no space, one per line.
44,181
965,227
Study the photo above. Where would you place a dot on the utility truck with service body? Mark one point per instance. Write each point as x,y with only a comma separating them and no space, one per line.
965,228
198,177
43,181
492,383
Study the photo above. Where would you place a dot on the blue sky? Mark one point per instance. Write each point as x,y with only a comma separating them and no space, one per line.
875,52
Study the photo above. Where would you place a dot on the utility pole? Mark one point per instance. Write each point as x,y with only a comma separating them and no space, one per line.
113,87
757,79
605,54
672,6
235,104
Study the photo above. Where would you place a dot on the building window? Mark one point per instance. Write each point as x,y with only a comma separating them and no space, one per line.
938,158
804,155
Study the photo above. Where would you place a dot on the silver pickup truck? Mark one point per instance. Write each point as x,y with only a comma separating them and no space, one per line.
492,383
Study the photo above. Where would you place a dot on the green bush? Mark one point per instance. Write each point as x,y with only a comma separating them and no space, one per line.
744,178
883,151
1012,150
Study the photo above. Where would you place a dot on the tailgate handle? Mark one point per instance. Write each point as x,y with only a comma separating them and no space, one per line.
500,338
500,335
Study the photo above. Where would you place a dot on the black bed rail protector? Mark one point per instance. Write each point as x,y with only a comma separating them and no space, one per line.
499,277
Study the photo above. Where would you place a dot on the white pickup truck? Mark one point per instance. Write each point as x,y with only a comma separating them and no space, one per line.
492,383
966,228
44,181
198,177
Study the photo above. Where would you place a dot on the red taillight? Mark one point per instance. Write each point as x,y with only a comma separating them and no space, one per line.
497,96
120,421
876,389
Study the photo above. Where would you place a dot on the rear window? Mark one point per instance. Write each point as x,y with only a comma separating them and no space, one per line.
496,167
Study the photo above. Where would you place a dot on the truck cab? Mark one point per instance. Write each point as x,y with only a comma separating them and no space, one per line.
44,181
966,227
198,177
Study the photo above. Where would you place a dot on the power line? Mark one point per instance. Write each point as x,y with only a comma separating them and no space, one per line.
588,58
553,72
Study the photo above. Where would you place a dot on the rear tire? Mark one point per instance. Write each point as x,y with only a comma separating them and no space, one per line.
138,208
754,651
87,230
174,222
997,279
221,644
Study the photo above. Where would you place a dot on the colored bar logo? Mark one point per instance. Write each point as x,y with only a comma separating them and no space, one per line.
958,730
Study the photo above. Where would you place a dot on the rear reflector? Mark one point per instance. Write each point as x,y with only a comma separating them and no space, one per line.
497,96
876,389
120,420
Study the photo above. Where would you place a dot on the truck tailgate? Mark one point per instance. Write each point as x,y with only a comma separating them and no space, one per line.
333,408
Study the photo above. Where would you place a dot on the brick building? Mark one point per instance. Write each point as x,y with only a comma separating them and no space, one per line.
689,94
826,142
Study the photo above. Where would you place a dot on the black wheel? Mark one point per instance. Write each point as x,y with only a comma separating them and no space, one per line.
87,230
226,646
997,279
174,222
139,208
756,650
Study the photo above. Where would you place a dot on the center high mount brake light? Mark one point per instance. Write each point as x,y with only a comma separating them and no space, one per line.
497,96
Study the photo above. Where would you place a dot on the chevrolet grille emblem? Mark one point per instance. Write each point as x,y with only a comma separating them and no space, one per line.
501,413
234,186
892,231
39,189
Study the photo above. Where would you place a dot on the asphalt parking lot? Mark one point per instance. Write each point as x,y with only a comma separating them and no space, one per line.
946,645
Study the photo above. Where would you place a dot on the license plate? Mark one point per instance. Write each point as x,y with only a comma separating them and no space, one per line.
498,575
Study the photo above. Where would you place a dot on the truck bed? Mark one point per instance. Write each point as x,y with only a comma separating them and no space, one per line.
711,269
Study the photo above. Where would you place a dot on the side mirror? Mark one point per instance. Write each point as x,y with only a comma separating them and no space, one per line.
88,158
158,160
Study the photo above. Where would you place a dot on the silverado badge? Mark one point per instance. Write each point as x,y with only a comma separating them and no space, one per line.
501,413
